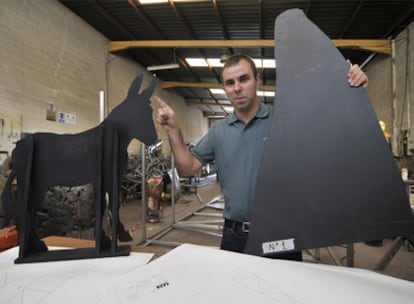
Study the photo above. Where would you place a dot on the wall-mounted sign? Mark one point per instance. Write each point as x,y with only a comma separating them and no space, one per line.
67,118
61,117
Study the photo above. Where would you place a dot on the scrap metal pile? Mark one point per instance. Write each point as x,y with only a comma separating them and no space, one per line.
155,164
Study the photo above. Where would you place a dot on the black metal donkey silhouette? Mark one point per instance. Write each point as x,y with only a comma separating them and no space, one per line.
97,156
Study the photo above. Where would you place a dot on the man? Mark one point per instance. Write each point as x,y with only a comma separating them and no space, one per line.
236,143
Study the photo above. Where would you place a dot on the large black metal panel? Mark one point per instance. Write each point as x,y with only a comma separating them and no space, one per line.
327,176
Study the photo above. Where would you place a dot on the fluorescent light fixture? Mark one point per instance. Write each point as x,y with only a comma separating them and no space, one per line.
259,93
228,109
166,1
216,63
216,116
163,67
224,101
265,63
204,63
217,91
197,62
266,93
152,1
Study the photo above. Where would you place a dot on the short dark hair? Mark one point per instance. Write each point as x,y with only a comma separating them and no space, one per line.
235,59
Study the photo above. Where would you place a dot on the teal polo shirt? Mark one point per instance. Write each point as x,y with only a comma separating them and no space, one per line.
237,149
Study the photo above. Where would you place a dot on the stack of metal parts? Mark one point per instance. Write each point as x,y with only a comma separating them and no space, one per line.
131,183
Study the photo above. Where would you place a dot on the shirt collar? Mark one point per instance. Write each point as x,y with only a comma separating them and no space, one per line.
262,112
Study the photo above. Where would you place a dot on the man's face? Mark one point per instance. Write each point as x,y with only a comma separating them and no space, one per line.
240,85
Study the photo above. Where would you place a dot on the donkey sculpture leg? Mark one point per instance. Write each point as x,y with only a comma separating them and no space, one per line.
8,201
110,190
28,239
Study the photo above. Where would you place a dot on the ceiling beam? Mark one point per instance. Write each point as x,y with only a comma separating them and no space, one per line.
208,85
205,103
175,84
374,45
382,46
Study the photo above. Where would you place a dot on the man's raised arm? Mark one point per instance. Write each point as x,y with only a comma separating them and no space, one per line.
186,163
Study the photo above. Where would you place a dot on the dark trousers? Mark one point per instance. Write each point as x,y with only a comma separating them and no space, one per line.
234,239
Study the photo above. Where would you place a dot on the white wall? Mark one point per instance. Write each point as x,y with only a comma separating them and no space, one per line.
48,55
380,88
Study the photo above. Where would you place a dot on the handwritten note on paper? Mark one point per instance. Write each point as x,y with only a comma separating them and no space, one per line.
132,291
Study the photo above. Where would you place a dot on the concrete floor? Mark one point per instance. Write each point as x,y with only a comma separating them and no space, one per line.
161,237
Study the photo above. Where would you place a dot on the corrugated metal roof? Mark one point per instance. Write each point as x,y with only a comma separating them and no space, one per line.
230,20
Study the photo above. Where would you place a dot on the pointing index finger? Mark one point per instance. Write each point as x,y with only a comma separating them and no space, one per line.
160,102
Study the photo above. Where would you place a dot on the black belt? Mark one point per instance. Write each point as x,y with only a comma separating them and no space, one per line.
235,225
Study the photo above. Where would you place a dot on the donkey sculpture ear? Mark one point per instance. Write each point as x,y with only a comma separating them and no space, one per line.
146,94
135,85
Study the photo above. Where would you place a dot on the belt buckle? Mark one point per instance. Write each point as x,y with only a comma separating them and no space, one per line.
245,226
